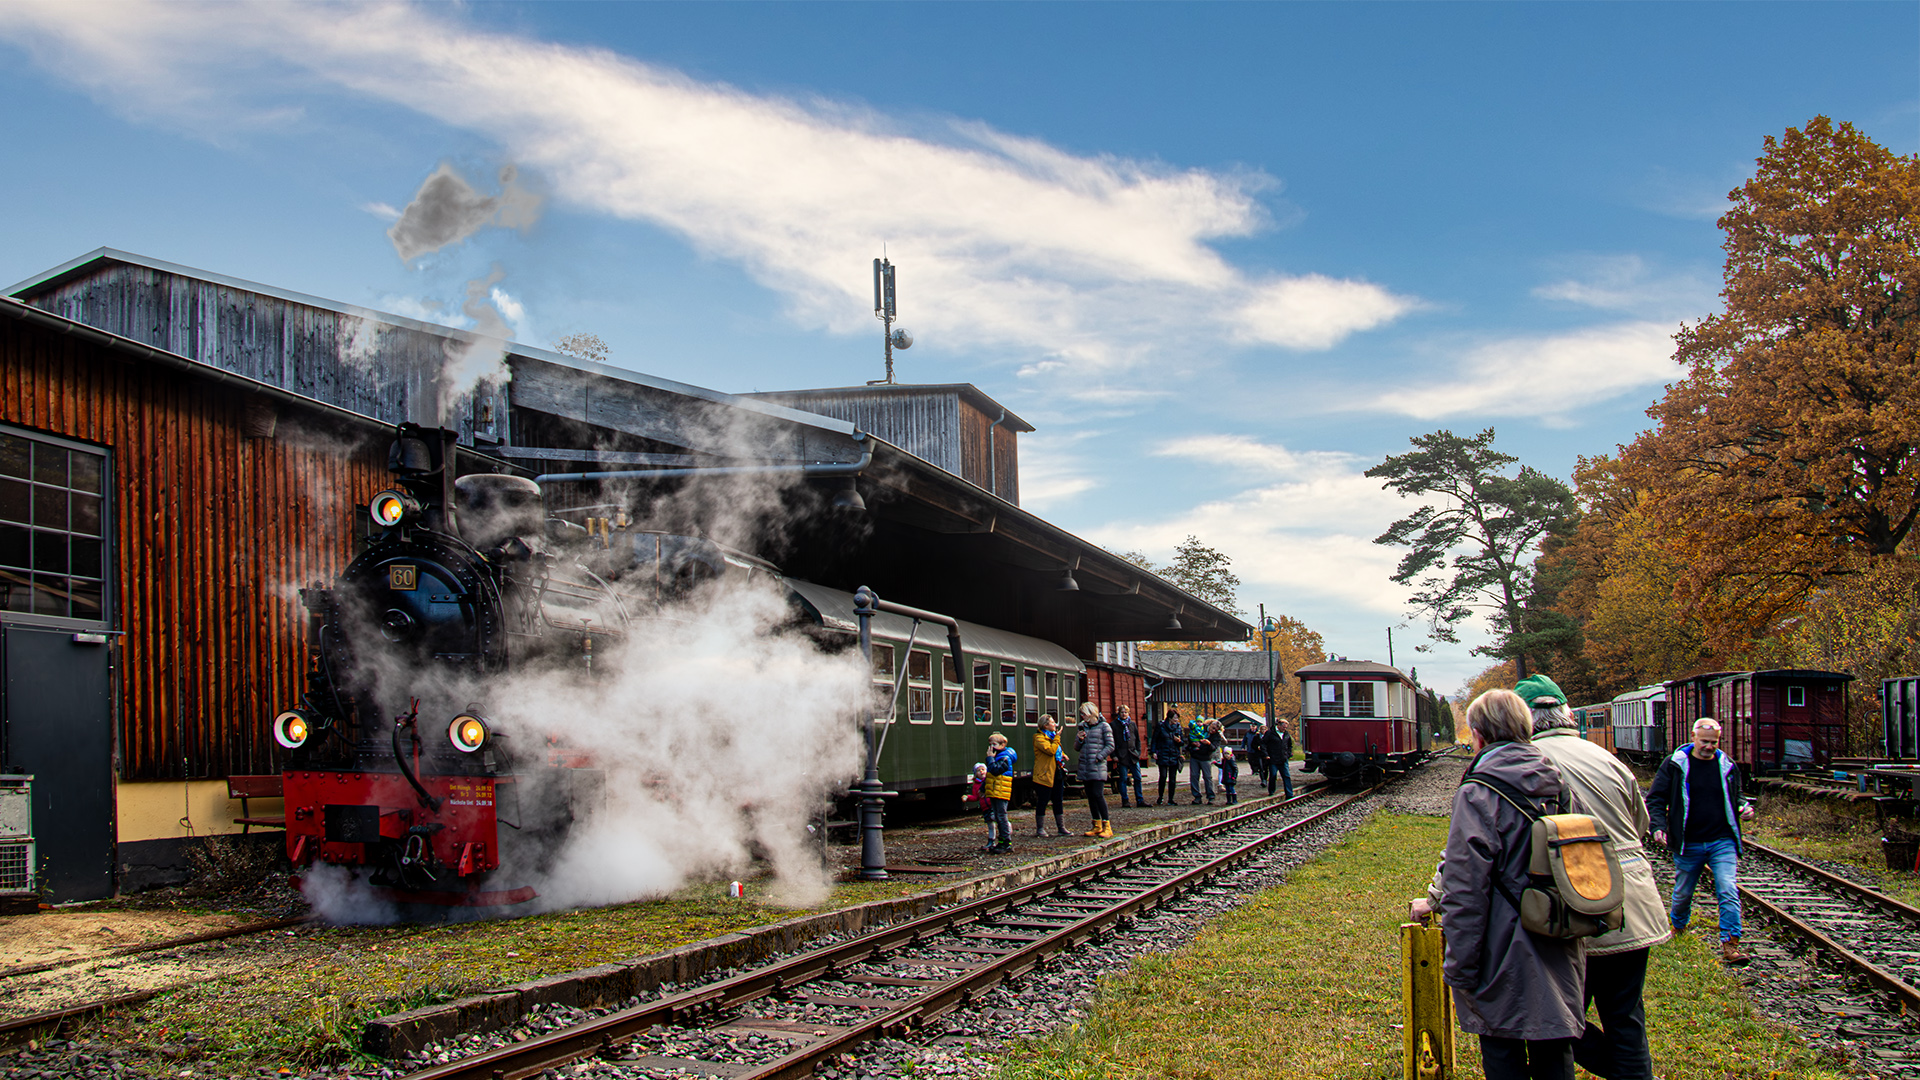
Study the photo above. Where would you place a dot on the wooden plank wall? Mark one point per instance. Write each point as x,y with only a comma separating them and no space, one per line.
214,531
373,368
1110,688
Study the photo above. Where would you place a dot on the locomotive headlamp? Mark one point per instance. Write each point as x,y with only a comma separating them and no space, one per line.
390,508
292,728
468,733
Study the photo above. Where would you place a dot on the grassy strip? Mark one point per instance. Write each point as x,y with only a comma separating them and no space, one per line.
1814,830
1304,981
311,1010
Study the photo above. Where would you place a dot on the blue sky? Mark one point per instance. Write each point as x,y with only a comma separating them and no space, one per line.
1223,256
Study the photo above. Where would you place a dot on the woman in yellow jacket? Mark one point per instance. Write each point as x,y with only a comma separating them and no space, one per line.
1049,779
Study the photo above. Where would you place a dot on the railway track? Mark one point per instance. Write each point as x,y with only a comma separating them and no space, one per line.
780,1021
1843,962
1874,933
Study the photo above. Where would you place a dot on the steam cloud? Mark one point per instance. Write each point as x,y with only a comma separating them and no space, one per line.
718,727
447,210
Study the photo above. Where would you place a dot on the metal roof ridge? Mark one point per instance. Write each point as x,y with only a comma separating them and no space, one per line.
72,267
872,388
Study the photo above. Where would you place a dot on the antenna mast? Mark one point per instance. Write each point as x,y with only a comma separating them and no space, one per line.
885,309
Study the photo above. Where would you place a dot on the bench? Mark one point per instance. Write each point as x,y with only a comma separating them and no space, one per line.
243,788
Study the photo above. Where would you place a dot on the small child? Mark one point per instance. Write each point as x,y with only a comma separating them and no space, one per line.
1229,775
976,797
999,792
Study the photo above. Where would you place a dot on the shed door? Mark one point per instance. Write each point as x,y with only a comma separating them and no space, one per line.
59,727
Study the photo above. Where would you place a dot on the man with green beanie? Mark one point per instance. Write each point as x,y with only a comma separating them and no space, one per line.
1616,961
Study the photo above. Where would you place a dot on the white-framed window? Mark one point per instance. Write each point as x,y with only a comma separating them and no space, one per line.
1796,696
953,696
882,681
983,693
920,687
1030,686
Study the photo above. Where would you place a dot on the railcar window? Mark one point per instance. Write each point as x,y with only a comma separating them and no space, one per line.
1031,683
954,701
1796,695
882,679
920,686
1333,699
52,558
1360,699
1009,695
983,693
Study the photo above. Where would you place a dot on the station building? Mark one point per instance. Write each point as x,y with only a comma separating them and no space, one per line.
181,451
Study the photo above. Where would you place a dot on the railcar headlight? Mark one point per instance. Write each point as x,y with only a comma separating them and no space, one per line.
292,728
390,508
468,733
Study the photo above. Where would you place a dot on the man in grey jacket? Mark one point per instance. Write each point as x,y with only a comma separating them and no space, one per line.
1520,992
1617,961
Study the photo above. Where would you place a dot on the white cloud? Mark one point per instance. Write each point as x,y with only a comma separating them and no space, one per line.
383,211
1547,377
1097,262
1050,472
1625,283
514,311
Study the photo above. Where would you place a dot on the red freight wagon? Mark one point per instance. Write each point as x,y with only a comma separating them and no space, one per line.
1787,718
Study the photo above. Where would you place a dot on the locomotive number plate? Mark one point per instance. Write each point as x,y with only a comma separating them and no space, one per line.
403,576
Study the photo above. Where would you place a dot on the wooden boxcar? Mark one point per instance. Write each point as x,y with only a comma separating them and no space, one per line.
1784,719
1358,716
1900,717
1640,723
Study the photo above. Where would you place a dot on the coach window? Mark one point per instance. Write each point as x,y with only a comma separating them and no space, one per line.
1030,683
1796,695
1360,699
1052,703
920,686
51,529
1009,694
983,693
882,679
1070,700
1333,699
953,696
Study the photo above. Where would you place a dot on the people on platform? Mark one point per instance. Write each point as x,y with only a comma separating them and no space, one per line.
1166,756
1616,962
1252,745
1521,993
999,791
1095,747
1697,811
1126,755
1199,753
1278,743
976,797
1229,775
1049,777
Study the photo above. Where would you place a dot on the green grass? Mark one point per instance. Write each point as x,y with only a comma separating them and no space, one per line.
1304,981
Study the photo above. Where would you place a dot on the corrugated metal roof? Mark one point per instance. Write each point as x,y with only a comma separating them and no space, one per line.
835,609
1217,665
972,394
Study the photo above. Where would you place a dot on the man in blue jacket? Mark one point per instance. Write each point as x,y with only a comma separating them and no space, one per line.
1696,810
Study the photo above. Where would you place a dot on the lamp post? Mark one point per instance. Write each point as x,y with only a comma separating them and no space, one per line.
873,794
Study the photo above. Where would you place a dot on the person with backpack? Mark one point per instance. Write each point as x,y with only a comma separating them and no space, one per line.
1199,752
1521,992
1166,755
1616,963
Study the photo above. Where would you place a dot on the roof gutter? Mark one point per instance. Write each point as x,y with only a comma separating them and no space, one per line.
838,468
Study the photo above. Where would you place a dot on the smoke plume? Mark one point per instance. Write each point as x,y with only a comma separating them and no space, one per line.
447,210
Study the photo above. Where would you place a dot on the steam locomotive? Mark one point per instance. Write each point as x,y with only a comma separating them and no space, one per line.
462,580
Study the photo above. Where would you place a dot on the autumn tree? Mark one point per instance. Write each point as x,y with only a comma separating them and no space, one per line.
1790,451
1474,547
1203,571
1294,646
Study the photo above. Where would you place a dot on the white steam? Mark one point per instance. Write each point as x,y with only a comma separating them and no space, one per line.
447,209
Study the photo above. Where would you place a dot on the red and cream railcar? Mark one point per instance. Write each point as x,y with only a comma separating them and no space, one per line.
1783,719
1357,716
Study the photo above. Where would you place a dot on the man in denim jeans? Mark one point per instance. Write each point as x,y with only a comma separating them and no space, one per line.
1694,799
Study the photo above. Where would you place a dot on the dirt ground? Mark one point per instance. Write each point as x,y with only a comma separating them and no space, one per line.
61,935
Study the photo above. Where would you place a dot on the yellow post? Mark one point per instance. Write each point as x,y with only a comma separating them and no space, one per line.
1429,1005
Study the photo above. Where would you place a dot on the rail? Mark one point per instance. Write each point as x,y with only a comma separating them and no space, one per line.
602,1035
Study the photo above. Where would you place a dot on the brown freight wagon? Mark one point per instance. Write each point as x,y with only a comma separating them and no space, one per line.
1771,721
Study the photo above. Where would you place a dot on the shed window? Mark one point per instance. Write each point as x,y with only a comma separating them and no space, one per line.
52,561
1796,695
